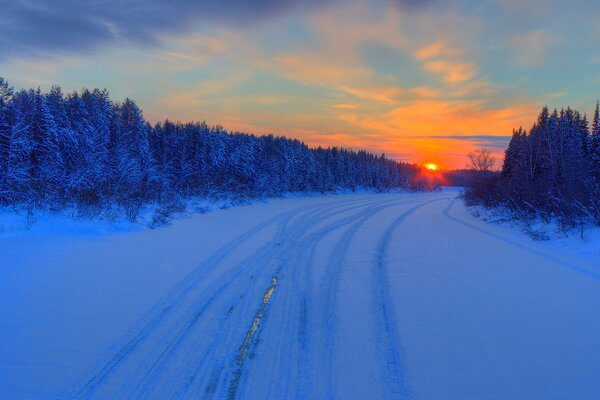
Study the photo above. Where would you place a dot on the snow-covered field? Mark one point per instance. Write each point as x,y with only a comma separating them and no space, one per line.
366,296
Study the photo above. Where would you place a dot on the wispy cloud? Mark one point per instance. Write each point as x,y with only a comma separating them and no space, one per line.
436,50
452,72
447,61
495,143
44,27
531,49
388,75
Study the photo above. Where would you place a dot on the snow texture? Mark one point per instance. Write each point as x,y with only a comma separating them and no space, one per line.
364,296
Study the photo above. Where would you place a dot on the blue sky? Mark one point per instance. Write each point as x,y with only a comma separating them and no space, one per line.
423,81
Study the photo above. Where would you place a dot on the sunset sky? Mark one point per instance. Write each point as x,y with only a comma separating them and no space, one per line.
422,81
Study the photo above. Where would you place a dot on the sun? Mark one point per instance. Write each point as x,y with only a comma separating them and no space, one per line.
431,167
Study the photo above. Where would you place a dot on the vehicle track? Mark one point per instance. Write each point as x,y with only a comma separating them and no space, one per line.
393,369
221,344
528,249
165,307
175,352
155,317
329,292
285,345
174,299
294,249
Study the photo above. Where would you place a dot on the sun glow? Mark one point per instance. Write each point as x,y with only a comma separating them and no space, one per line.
431,167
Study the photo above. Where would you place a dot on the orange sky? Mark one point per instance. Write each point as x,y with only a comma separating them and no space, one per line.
421,81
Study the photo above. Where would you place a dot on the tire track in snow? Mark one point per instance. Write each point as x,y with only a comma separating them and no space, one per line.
159,314
330,290
293,244
165,307
297,249
184,289
395,371
306,252
260,259
521,246
250,341
303,253
257,260
166,353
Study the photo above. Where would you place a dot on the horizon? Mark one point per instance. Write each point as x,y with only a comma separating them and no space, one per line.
300,199
422,82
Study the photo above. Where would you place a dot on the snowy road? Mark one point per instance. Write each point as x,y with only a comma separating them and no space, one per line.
396,296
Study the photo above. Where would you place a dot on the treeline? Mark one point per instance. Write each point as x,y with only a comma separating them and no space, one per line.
552,171
83,149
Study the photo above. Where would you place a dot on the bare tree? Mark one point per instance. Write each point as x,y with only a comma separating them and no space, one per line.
481,160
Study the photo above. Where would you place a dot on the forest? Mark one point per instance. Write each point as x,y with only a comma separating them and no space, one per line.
550,172
83,150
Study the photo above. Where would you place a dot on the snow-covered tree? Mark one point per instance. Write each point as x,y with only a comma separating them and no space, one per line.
6,116
554,170
83,149
595,144
133,151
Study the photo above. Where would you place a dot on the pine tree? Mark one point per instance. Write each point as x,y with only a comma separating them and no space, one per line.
6,115
596,122
84,149
46,158
18,175
61,145
511,154
161,139
595,145
98,112
133,151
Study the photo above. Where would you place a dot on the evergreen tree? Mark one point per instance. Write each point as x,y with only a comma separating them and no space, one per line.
512,153
96,109
553,170
595,145
19,165
83,149
6,115
132,151
45,156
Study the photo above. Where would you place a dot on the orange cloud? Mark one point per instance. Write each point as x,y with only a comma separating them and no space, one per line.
412,128
452,72
447,61
310,68
388,94
346,106
426,92
435,50
355,105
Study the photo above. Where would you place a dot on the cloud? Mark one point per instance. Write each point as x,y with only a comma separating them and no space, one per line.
55,27
312,69
345,106
441,130
493,142
445,60
531,49
452,72
380,75
411,5
434,50
48,27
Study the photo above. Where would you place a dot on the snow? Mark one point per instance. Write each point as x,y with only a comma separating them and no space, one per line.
17,222
351,296
549,235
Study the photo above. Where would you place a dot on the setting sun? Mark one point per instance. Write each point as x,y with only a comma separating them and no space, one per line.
431,167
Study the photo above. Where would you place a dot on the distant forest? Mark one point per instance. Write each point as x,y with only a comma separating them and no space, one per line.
84,150
552,171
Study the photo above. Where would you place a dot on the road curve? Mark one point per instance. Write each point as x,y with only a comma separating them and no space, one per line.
365,297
